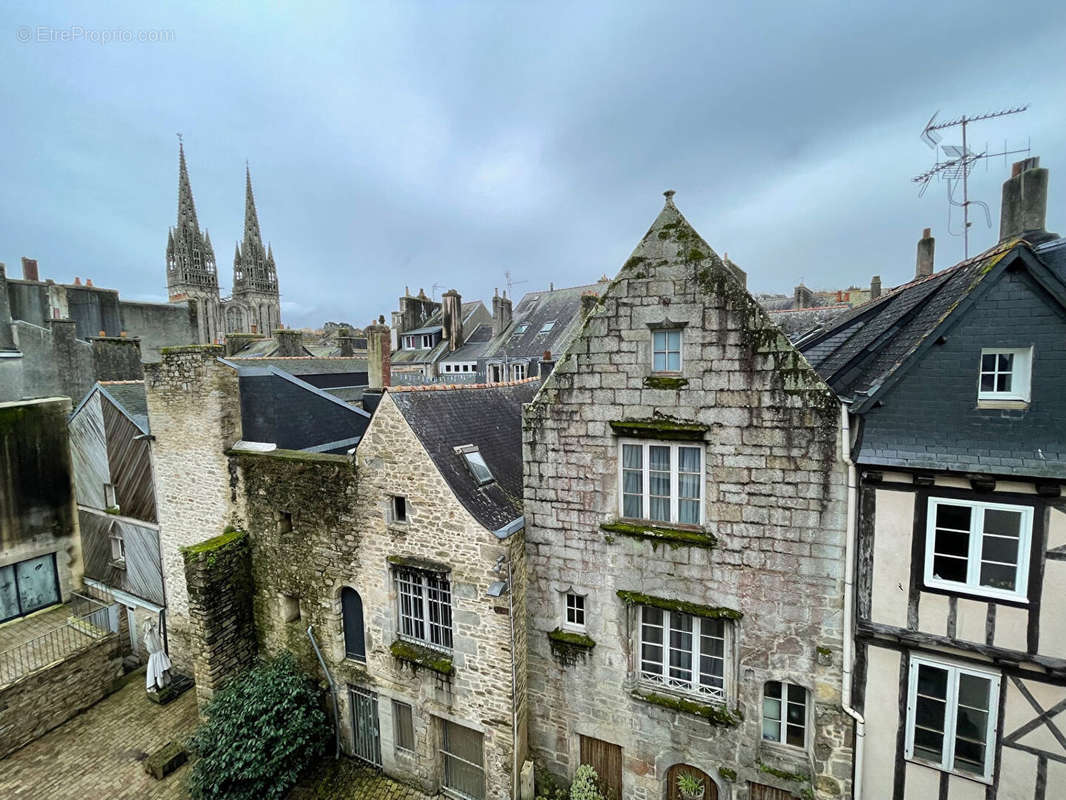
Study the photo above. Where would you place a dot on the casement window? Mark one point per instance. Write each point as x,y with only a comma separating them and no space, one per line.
661,482
397,511
425,607
666,350
684,653
518,372
978,548
403,726
464,761
352,617
951,717
427,341
784,713
1005,373
575,612
118,549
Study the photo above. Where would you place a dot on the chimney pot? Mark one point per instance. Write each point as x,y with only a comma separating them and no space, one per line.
29,269
88,281
77,281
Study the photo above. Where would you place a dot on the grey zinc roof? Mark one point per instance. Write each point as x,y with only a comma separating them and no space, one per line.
130,397
489,417
427,329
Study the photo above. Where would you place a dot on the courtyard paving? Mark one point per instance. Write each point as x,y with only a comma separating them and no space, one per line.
98,753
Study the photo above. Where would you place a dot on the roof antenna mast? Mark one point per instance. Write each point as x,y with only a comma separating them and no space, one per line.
959,162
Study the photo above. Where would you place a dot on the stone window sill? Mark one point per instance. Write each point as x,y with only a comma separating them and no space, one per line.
419,656
671,381
1009,405
673,536
716,714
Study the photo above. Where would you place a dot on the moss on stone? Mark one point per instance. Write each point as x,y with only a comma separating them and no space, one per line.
683,606
571,638
419,656
660,428
192,348
418,563
727,773
634,262
672,537
716,715
229,536
783,774
824,651
663,382
293,455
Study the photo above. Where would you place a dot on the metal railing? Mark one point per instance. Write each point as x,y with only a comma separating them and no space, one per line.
93,621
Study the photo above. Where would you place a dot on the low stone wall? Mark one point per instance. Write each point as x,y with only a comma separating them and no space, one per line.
42,700
218,574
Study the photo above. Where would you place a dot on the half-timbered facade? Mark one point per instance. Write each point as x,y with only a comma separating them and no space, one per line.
957,392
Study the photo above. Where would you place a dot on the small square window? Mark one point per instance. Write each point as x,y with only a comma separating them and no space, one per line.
575,611
109,496
284,521
118,549
784,713
1005,374
403,726
397,509
666,350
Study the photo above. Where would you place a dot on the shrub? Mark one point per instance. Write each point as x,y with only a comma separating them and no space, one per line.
262,730
585,785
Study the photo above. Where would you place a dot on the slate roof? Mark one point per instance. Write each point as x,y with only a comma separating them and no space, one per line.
296,365
864,347
261,348
433,325
131,398
489,417
475,345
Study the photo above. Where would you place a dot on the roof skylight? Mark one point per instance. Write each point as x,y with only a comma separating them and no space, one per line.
547,326
475,462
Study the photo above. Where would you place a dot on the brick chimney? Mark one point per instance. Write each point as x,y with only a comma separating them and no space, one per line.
875,287
290,343
804,297
379,356
501,313
29,269
452,318
1024,210
924,264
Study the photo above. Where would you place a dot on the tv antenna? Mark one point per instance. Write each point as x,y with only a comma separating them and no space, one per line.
511,282
433,289
959,162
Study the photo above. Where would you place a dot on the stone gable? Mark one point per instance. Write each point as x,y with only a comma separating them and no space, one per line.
771,546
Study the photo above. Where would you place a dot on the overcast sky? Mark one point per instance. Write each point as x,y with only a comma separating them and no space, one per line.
447,143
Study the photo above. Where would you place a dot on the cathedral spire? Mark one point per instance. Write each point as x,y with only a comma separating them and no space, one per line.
186,207
251,218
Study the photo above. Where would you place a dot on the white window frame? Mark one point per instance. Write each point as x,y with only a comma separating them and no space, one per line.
427,341
972,584
662,680
110,500
518,372
415,585
951,715
666,352
674,484
118,547
782,721
1021,373
579,607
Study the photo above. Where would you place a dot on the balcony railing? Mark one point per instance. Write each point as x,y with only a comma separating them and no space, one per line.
89,621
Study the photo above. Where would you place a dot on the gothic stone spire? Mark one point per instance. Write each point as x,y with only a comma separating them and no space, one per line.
190,257
253,266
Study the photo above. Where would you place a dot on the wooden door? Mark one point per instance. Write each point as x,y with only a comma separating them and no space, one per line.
606,759
710,789
759,791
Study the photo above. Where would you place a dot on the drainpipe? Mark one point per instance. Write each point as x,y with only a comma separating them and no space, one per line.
849,601
514,684
332,692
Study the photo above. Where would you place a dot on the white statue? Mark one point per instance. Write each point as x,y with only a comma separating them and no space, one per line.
158,673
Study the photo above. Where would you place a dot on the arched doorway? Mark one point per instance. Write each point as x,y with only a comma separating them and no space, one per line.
710,788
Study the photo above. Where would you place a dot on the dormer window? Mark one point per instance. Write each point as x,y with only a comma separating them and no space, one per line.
1005,373
427,341
475,462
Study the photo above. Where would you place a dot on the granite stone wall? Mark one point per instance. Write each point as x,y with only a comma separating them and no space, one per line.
769,556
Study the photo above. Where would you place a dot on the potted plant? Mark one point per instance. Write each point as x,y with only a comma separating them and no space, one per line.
690,786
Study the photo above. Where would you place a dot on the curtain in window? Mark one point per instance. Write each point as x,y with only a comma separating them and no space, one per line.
659,482
688,480
632,481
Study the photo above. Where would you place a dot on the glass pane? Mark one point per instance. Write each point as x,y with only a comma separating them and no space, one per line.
953,517
949,569
477,464
1003,383
660,509
772,689
659,362
797,694
1006,362
933,681
771,730
988,362
988,382
659,484
659,341
37,583
973,691
9,602
796,714
794,735
688,460
659,458
631,506
632,456
688,512
1004,523
673,362
928,744
970,756
771,709
952,543
971,724
653,616
929,713
999,548
998,576
673,339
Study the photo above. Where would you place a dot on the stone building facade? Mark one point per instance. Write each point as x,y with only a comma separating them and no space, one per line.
685,509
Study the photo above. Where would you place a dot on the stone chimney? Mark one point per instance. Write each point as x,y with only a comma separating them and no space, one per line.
290,343
804,297
924,265
29,269
7,339
1024,210
547,364
346,343
452,318
501,313
875,287
379,356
